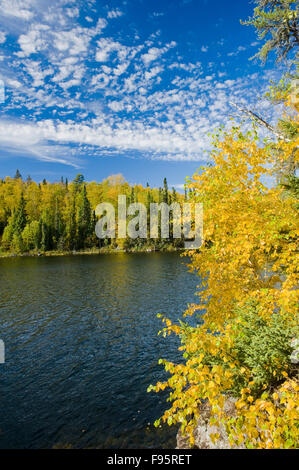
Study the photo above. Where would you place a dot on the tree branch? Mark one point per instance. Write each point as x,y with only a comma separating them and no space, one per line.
260,121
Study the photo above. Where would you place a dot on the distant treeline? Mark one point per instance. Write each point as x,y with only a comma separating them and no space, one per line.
61,216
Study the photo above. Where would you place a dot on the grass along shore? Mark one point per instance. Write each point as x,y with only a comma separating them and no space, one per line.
91,251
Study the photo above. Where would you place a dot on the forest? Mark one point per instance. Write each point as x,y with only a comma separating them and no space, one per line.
43,217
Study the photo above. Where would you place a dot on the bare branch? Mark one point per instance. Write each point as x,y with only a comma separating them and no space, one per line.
260,121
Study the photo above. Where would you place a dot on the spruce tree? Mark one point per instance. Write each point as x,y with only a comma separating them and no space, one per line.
58,224
84,218
17,175
160,198
277,22
44,236
174,195
165,192
71,232
20,217
78,182
132,197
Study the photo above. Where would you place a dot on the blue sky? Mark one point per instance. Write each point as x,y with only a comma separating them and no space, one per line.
131,87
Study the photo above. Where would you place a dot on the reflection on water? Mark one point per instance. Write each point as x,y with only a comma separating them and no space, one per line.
82,347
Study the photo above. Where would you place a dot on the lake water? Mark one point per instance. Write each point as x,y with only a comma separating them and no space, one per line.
82,348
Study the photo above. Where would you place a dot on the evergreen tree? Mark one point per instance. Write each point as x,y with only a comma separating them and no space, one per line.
78,182
93,238
71,231
47,230
31,236
20,217
132,196
174,195
84,218
58,224
277,22
149,199
160,198
165,192
17,175
48,216
44,236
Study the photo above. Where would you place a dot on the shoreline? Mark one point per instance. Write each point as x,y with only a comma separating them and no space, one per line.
99,251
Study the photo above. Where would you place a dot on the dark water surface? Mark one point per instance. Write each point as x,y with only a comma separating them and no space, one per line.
82,347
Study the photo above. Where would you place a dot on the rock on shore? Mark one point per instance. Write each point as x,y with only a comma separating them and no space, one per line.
204,430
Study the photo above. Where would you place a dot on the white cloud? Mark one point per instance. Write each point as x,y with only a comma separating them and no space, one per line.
69,68
115,103
100,80
237,52
121,68
116,106
72,12
114,13
127,136
106,47
38,74
149,74
13,83
20,9
74,42
2,37
154,53
101,24
32,42
188,67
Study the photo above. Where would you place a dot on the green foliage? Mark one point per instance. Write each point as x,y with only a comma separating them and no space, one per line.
17,243
20,217
78,181
291,184
18,175
31,236
288,128
165,191
263,347
85,228
7,237
277,22
61,216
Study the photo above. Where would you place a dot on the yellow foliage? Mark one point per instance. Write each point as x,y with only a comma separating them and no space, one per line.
250,251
